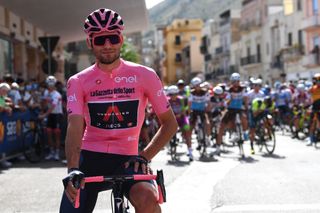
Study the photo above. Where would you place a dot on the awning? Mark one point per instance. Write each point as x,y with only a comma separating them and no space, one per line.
65,17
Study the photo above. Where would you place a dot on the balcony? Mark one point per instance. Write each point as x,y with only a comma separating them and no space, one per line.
249,60
311,22
311,60
292,54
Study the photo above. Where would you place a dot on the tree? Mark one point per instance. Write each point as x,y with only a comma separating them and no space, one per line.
129,53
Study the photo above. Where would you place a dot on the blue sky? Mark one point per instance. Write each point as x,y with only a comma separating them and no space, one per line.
151,3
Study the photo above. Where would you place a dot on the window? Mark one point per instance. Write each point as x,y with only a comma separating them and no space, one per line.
315,6
258,53
5,57
289,39
299,6
316,40
178,40
300,38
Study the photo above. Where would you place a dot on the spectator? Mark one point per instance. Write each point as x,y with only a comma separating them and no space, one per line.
5,101
15,96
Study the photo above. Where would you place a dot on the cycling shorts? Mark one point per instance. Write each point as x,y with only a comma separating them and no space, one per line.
230,115
194,115
316,106
183,122
54,121
254,120
96,164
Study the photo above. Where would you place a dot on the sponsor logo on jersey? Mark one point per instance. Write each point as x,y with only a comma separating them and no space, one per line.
72,98
116,91
129,79
114,115
160,92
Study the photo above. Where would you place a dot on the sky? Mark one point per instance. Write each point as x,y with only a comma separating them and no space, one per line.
151,3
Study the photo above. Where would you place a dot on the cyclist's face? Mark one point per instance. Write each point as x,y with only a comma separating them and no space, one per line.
106,47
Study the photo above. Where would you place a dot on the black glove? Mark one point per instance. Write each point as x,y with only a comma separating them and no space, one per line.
142,164
75,176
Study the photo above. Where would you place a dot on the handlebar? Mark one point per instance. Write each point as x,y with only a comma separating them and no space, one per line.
123,178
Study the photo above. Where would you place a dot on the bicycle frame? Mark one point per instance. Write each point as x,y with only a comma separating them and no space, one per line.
117,182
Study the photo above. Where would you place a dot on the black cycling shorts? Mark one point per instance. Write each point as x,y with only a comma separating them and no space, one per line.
54,121
96,164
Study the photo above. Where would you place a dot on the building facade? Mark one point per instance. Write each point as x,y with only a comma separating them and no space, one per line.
182,53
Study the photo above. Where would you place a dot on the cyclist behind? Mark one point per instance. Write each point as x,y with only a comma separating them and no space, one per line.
282,97
253,94
198,106
216,107
236,100
54,115
179,108
184,91
109,99
260,108
315,95
301,101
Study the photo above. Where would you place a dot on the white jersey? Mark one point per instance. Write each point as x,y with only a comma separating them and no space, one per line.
54,99
253,95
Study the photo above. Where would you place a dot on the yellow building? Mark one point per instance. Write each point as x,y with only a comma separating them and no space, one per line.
182,47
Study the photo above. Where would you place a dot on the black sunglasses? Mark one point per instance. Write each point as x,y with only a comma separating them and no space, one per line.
101,40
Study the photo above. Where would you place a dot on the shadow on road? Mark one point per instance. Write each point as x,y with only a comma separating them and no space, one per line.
274,156
178,163
247,159
42,165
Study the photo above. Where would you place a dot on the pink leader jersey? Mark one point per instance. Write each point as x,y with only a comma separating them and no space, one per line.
113,105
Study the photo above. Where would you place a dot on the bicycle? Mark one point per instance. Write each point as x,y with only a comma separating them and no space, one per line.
118,195
239,132
32,137
201,138
265,135
173,147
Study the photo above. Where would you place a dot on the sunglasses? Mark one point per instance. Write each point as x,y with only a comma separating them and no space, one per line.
101,40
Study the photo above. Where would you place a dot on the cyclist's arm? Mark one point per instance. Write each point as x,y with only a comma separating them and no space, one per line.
74,140
168,127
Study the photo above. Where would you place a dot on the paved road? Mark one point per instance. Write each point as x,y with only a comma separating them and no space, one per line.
288,181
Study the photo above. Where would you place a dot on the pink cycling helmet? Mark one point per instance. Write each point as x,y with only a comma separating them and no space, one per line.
103,20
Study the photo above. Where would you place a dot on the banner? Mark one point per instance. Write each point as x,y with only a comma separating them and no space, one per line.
11,132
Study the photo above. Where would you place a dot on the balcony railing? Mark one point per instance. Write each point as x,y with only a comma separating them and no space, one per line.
292,54
311,22
311,60
253,59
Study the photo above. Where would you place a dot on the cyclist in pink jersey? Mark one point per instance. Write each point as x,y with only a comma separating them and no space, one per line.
107,103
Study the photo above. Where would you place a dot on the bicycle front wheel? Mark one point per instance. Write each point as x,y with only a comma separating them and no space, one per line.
33,148
270,141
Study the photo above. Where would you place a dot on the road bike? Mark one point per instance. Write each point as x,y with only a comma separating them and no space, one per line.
239,133
33,137
201,137
265,136
119,204
173,147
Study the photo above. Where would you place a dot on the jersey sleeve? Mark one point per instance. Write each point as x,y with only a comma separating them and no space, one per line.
154,92
75,97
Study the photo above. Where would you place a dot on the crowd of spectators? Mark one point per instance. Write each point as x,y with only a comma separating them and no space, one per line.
17,94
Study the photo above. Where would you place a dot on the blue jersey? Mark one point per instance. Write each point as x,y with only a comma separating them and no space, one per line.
235,97
199,100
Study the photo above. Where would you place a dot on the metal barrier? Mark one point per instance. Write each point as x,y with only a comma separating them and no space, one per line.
11,132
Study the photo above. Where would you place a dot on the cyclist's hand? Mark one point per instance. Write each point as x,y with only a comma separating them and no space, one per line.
72,183
139,162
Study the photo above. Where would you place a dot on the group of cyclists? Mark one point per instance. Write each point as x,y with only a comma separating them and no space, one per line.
290,106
